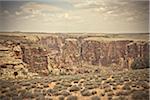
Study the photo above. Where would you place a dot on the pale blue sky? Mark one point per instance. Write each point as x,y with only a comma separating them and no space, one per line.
101,16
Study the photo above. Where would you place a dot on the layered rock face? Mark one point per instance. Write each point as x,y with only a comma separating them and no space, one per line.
118,53
61,54
36,58
11,63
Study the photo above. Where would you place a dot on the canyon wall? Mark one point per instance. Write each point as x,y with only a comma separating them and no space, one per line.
76,54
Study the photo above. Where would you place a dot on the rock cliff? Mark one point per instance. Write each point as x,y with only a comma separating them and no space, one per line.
73,53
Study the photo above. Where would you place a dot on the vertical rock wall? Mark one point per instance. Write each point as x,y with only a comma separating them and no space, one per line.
77,53
120,53
36,58
71,53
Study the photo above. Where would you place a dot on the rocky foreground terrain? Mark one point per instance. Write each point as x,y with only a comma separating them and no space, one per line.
61,66
127,85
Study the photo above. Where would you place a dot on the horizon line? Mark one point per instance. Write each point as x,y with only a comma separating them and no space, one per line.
71,32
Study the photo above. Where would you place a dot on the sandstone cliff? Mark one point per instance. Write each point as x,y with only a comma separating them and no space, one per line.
65,54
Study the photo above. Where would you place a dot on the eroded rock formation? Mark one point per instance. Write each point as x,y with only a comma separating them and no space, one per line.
61,54
11,63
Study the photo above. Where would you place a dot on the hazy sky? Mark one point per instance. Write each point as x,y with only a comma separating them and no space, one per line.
127,16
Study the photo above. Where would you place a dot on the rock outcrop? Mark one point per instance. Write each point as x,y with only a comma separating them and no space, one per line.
11,63
70,54
119,53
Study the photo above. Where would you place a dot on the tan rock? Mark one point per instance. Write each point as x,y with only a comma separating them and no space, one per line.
10,60
3,48
56,71
20,66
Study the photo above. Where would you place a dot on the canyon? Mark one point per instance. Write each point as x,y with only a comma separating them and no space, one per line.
62,53
74,66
